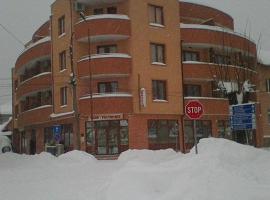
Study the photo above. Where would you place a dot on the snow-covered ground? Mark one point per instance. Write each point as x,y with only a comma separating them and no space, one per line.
223,170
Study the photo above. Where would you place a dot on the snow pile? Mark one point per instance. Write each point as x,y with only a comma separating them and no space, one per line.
223,170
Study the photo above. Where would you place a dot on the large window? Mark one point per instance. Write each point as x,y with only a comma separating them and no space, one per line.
63,96
203,130
157,53
224,129
61,25
62,60
163,133
66,136
192,90
108,87
107,49
156,15
159,90
191,56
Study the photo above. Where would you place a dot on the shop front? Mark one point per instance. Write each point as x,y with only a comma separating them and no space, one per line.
107,137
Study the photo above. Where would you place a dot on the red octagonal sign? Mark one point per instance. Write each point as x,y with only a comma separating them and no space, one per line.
194,110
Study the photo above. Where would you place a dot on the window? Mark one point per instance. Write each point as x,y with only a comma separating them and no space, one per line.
62,60
203,130
158,53
106,49
61,25
268,114
156,15
267,85
108,87
98,11
191,56
159,90
192,90
164,133
112,10
63,97
224,129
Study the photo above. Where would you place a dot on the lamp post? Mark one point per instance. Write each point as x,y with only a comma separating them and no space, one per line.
90,82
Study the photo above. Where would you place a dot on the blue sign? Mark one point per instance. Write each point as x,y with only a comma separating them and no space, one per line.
57,129
243,109
243,117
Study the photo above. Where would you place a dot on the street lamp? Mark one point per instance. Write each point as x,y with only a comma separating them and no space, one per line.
90,82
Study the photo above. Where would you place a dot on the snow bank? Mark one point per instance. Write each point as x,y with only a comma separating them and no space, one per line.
223,170
148,156
77,157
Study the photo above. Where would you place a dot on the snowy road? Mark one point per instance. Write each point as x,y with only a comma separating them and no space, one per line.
223,170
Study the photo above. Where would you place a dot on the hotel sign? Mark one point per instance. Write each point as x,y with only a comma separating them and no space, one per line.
105,117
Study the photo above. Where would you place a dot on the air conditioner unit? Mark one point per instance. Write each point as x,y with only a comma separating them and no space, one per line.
79,7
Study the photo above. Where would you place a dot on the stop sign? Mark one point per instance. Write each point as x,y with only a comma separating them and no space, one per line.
194,110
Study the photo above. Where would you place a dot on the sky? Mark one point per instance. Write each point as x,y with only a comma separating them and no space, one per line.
23,17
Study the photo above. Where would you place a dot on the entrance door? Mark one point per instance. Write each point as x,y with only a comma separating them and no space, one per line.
108,137
33,143
101,141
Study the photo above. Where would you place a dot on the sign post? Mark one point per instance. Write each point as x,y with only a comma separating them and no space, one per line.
194,111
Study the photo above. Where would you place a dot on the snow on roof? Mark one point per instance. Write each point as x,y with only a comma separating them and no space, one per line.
264,57
31,45
6,109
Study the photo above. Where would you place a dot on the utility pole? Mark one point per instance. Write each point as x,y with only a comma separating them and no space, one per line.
73,82
90,81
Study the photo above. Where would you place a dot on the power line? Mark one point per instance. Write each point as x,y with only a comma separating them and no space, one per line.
12,35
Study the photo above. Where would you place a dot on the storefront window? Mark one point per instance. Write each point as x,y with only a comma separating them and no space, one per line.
89,133
163,132
48,136
224,129
203,130
124,132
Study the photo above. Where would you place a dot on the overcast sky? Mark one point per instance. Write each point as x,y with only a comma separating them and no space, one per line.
23,17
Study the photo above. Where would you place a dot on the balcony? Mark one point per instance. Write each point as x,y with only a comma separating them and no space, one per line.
204,35
108,65
203,71
97,2
37,115
34,52
106,103
211,105
102,28
36,83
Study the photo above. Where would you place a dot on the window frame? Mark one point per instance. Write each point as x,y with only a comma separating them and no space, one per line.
109,9
155,47
63,96
186,89
106,46
61,25
62,60
156,94
192,53
108,85
154,8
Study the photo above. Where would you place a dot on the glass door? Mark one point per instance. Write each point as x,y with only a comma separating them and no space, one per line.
101,141
113,138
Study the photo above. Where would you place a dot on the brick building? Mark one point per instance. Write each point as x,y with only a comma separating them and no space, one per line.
110,74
